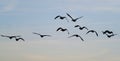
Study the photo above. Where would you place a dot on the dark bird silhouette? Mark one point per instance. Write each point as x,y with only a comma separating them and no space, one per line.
81,28
17,39
61,17
61,29
41,35
10,37
93,31
73,19
76,35
107,32
109,36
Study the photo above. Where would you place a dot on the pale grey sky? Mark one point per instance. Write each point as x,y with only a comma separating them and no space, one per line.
22,17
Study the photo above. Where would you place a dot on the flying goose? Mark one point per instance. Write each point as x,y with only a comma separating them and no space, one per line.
62,29
107,32
93,31
76,35
41,35
74,19
109,36
81,28
17,39
61,17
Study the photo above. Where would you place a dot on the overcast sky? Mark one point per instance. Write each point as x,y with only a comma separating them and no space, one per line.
22,17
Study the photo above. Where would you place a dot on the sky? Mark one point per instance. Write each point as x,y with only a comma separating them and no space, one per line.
22,17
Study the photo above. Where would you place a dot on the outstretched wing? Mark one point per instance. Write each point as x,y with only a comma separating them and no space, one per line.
14,36
77,26
21,39
59,29
17,36
81,38
79,18
96,33
71,36
111,35
57,17
69,15
36,33
76,36
4,36
47,35
88,31
85,27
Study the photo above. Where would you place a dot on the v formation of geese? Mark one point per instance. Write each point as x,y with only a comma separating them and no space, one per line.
108,33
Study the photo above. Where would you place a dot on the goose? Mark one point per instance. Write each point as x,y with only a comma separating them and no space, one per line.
109,36
41,35
74,19
76,35
61,17
93,31
107,31
81,28
17,39
62,29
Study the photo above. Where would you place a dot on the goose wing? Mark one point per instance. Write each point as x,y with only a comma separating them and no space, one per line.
81,38
88,31
85,27
36,33
96,33
69,15
21,39
71,36
47,35
57,17
4,36
59,29
14,36
77,26
79,18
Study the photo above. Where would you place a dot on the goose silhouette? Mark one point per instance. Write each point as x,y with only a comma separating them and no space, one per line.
107,32
74,19
41,35
62,29
10,37
61,17
109,36
76,35
17,39
81,28
92,31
